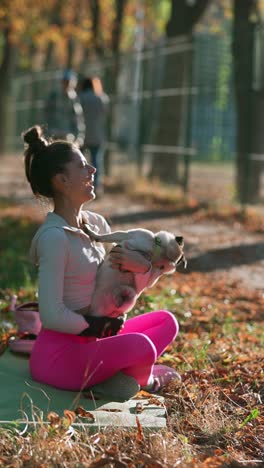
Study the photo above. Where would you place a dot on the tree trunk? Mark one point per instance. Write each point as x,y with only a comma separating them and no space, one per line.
184,16
114,73
248,107
256,162
171,122
96,26
70,53
7,69
176,68
56,21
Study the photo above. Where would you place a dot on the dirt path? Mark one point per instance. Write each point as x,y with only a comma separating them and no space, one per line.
211,246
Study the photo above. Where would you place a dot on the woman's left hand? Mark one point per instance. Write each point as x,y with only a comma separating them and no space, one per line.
128,260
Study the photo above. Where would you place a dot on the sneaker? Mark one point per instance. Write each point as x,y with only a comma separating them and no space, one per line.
28,326
22,343
162,376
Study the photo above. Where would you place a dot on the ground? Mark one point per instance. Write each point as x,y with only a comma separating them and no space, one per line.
215,416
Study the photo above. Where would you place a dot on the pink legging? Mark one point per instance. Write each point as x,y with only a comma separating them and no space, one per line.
72,362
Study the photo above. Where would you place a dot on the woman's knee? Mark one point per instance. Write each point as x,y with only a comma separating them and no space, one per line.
169,322
142,344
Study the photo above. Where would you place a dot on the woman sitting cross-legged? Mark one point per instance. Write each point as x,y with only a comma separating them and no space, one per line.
75,351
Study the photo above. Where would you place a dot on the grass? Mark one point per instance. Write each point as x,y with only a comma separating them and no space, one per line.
215,415
16,269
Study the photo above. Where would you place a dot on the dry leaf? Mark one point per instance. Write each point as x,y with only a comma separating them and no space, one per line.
80,411
54,419
140,435
70,416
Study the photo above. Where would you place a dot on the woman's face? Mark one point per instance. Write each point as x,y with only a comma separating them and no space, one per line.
79,186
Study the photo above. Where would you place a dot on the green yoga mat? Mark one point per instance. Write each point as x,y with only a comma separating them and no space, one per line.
20,395
21,398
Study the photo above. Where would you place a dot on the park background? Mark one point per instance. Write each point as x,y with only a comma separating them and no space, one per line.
185,80
184,152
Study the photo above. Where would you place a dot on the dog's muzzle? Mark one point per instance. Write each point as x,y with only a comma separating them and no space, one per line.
181,260
179,240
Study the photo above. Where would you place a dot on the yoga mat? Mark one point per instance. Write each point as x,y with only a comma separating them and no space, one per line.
21,398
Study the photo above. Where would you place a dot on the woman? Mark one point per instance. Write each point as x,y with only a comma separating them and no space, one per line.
74,351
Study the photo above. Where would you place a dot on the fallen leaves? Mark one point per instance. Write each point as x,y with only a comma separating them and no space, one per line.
216,414
69,417
140,435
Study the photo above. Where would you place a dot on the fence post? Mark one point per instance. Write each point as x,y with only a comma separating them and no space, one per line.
188,133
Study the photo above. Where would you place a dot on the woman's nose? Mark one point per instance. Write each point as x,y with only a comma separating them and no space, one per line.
92,169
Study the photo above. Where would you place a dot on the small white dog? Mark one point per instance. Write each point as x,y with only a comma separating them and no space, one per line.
116,291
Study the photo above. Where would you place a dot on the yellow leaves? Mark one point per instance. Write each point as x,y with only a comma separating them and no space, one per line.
22,17
39,22
52,34
69,13
72,30
2,12
19,25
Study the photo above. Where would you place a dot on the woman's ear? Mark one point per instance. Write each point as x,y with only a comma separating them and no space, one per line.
60,181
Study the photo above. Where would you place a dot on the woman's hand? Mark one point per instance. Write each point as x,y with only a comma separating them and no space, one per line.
128,260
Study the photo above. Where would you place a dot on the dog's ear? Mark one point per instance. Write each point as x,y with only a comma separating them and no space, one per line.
173,250
179,240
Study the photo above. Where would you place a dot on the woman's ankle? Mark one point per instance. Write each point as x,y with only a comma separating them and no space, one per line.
161,377
152,386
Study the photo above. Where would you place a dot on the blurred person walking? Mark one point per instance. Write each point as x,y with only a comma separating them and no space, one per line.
63,111
95,105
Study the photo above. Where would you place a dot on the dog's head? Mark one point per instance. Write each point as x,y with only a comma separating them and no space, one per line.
169,251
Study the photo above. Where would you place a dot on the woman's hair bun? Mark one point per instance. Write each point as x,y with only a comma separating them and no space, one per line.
33,137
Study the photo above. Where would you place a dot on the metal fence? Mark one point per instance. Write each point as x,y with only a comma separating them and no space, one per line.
174,100
143,91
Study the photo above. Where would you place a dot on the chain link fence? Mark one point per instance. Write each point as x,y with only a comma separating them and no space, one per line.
141,90
173,103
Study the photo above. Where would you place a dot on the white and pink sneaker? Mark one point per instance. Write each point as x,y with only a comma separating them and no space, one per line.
28,326
162,375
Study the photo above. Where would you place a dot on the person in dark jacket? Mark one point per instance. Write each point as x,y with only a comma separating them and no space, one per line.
63,111
94,104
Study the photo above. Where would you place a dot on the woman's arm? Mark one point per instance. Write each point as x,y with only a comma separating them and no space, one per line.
53,252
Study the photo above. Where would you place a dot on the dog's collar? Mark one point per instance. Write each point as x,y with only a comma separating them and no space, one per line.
157,247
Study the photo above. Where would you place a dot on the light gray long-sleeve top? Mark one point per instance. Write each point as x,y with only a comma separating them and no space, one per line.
67,264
